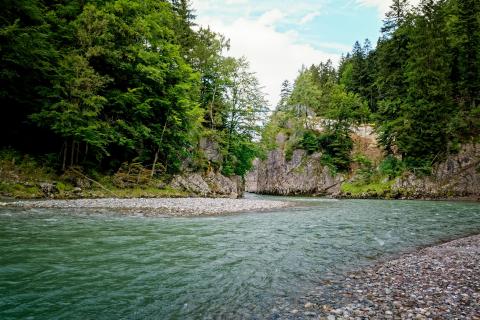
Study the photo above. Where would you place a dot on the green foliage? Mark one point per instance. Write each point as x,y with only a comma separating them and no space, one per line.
108,82
310,142
337,147
415,81
365,169
239,159
371,189
391,167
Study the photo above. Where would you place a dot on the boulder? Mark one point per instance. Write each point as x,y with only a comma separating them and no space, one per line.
48,188
210,184
192,183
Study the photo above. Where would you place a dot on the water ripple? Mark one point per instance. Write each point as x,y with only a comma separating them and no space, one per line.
98,264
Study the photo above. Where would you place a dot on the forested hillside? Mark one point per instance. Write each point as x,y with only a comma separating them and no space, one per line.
419,88
135,88
98,83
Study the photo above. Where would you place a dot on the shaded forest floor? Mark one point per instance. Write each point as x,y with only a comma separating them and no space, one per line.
27,178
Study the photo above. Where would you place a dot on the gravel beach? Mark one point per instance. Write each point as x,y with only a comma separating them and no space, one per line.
161,206
438,282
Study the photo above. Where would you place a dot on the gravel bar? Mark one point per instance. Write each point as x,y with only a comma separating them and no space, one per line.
163,206
438,282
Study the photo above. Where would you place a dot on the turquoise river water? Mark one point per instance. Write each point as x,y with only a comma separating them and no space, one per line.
55,264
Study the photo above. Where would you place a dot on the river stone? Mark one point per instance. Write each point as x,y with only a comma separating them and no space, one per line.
48,188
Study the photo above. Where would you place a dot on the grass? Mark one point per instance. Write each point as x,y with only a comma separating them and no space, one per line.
21,177
18,190
372,188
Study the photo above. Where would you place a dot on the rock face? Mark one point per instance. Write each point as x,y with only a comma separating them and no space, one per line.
211,150
211,184
303,174
458,176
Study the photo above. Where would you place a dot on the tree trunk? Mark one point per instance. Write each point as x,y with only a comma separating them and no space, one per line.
72,153
86,152
211,107
78,152
154,162
158,149
65,147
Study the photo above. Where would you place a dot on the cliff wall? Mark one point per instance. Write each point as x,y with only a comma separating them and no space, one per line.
455,178
302,175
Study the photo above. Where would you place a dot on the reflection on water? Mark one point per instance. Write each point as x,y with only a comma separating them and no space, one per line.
54,264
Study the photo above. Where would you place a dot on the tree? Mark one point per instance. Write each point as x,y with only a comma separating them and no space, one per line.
244,113
27,62
464,37
395,17
74,108
207,59
392,54
285,93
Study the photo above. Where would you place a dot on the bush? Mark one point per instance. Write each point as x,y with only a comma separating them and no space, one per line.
366,170
337,147
391,167
309,142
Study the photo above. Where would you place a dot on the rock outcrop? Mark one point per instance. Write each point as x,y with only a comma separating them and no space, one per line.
303,174
210,184
456,177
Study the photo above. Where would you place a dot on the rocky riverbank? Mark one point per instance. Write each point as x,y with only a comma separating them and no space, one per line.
438,282
161,206
455,178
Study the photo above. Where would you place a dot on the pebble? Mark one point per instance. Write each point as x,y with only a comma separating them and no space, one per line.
162,206
438,282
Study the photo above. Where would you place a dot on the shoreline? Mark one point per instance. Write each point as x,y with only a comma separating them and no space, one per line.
410,198
439,281
175,207
473,198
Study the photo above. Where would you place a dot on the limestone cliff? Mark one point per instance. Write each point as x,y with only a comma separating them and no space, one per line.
303,174
456,177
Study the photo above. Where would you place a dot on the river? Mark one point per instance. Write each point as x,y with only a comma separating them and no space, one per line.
55,264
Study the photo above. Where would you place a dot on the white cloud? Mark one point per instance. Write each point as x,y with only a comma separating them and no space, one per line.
271,17
336,46
309,17
382,5
236,1
275,56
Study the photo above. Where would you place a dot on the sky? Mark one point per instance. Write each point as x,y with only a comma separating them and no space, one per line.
279,36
